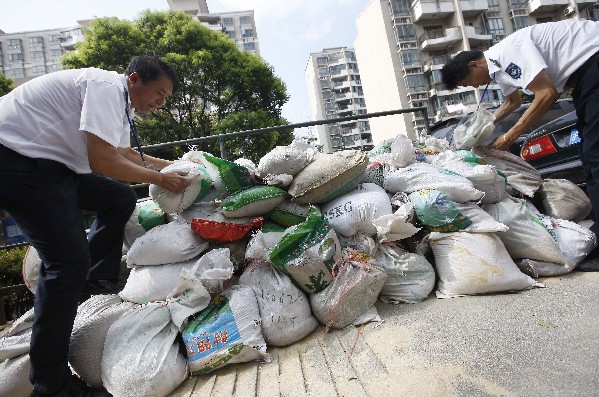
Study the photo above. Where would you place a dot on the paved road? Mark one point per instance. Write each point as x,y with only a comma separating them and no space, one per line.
541,342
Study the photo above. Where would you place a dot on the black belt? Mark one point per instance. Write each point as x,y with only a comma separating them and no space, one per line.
577,75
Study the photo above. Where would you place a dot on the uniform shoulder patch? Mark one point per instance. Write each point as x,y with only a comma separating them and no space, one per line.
514,71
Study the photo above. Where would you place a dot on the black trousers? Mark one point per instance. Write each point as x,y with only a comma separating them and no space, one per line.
45,199
586,102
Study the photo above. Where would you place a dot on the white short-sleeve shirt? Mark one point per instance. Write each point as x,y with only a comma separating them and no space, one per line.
49,117
558,47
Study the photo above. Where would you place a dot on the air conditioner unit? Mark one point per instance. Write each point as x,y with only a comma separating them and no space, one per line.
569,10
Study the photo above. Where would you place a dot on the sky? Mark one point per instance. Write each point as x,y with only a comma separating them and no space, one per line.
288,30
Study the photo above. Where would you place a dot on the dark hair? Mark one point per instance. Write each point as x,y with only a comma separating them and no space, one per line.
150,69
457,68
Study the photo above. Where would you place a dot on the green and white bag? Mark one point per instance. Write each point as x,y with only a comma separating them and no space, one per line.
255,201
307,253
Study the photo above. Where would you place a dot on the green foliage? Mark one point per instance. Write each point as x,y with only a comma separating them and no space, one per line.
11,261
223,89
6,85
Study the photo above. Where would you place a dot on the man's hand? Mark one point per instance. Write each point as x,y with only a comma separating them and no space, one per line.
502,142
174,182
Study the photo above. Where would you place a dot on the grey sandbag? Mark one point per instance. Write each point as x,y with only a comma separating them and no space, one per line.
564,200
14,377
284,309
94,318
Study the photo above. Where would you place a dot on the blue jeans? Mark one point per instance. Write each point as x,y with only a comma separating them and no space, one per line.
45,199
586,102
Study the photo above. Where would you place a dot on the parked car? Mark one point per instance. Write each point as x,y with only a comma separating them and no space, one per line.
445,128
553,150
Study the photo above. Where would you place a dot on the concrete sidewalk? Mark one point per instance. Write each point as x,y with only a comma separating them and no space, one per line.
541,342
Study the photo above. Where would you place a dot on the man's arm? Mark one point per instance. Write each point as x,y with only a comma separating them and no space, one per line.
133,156
105,159
545,95
511,103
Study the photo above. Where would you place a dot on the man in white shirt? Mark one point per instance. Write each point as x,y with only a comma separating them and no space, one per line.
64,143
544,60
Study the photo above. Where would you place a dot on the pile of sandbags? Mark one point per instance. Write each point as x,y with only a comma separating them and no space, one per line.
256,256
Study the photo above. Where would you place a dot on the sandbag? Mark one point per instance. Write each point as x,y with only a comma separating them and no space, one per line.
170,243
328,177
285,311
378,167
483,176
226,332
520,175
261,243
527,236
146,215
224,232
474,131
410,277
141,354
14,377
420,176
31,269
402,152
289,160
289,213
563,199
176,202
440,214
354,212
396,226
474,263
307,253
253,202
94,318
353,290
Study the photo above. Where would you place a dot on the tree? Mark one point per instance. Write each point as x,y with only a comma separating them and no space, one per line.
223,89
6,85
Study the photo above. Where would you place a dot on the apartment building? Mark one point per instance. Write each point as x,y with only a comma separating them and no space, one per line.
403,44
239,25
335,91
25,55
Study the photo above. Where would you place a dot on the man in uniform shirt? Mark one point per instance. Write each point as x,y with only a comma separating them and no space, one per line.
64,140
545,60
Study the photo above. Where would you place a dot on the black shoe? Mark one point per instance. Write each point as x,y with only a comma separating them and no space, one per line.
76,388
589,265
103,287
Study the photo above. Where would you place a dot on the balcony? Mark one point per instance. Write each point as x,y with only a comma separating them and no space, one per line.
341,84
435,63
439,39
432,9
339,74
343,96
547,6
477,35
582,4
473,8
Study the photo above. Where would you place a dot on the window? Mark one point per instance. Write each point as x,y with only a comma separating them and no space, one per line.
321,60
55,53
350,55
495,26
14,44
545,19
37,55
54,68
325,84
415,83
15,57
35,41
231,34
493,5
247,20
15,73
400,7
55,39
249,46
228,21
520,22
248,33
410,58
405,33
38,70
